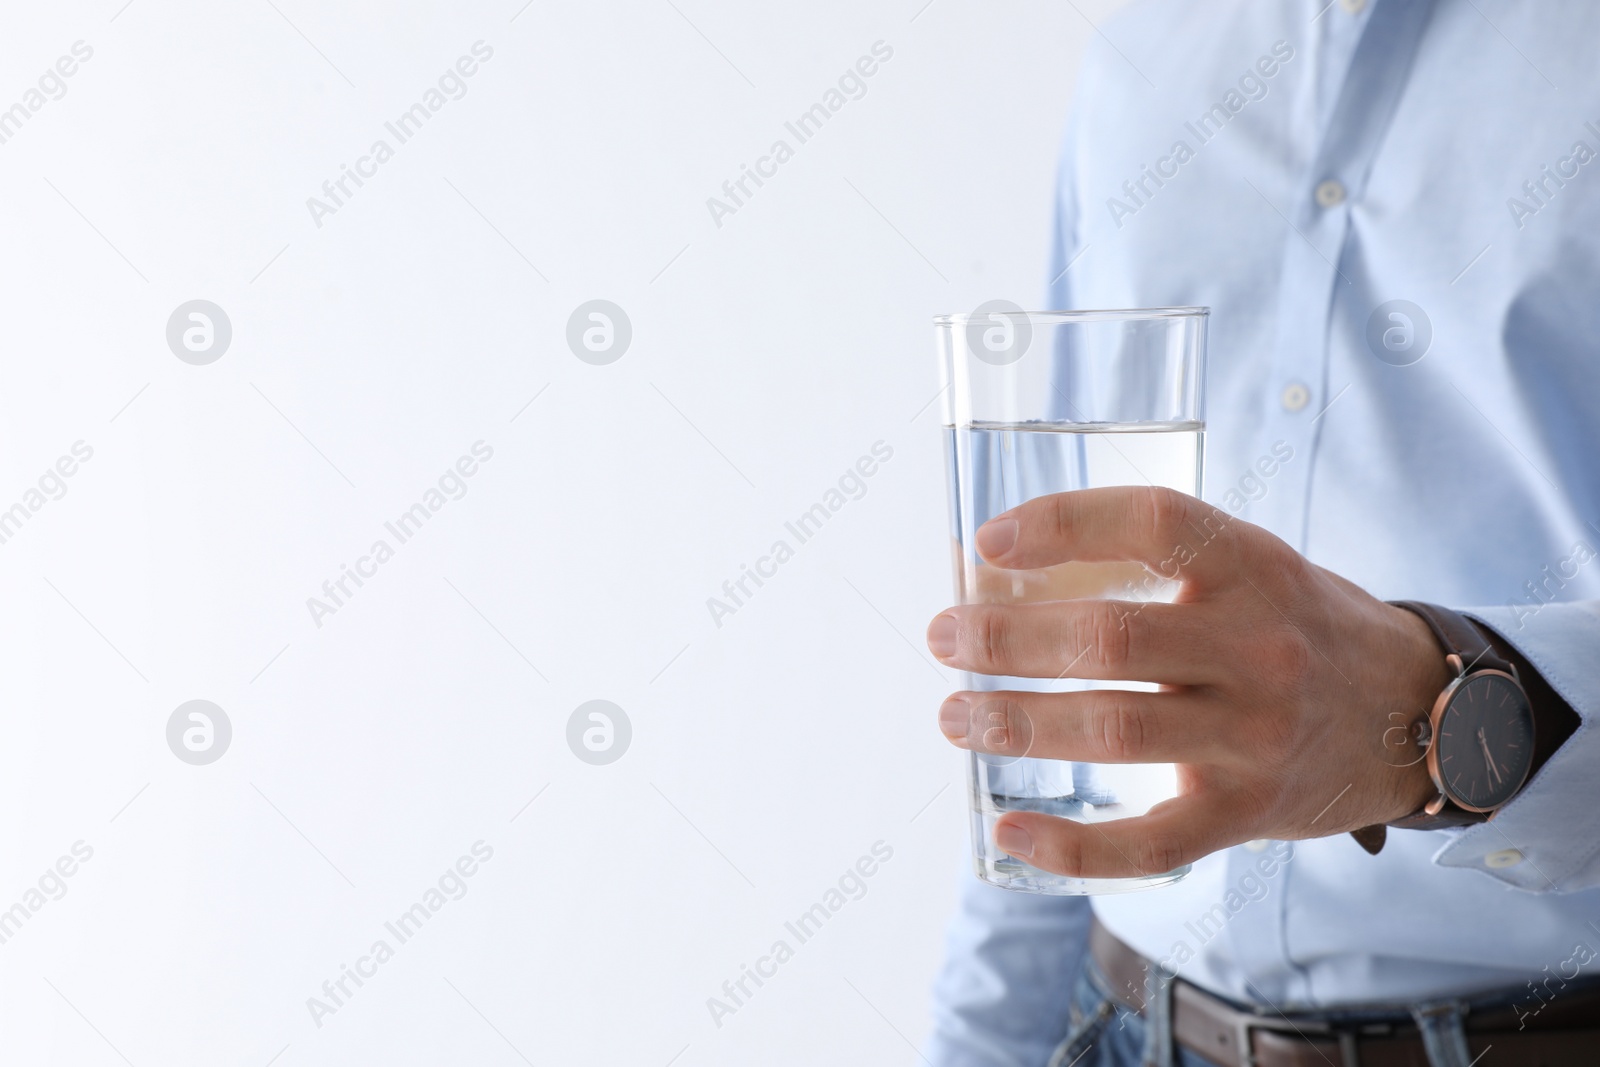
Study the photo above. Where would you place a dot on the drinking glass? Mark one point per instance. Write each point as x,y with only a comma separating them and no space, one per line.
1037,403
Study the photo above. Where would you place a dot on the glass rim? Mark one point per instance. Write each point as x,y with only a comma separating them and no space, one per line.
1086,315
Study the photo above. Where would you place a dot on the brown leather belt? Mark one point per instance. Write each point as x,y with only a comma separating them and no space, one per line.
1565,1032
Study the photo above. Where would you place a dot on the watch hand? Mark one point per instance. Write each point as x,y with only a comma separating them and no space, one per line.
1483,742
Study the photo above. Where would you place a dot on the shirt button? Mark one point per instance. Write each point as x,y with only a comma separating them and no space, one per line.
1295,397
1354,7
1256,846
1330,193
1506,857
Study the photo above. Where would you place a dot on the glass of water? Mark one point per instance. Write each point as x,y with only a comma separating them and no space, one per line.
1037,403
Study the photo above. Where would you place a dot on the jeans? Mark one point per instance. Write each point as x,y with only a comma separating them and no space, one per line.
1106,1033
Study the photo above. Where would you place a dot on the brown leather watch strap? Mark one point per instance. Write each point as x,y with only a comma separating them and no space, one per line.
1449,816
1374,837
1458,636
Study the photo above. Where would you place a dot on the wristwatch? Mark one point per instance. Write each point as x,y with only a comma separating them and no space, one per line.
1478,738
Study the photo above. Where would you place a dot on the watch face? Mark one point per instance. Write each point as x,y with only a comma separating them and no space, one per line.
1484,744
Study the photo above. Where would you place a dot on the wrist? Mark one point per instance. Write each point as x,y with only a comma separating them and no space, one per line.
1481,717
1427,671
1423,674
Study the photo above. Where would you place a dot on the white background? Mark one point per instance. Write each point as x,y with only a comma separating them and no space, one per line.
368,754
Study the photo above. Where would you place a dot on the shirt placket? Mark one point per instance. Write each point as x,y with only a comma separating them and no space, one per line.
1299,397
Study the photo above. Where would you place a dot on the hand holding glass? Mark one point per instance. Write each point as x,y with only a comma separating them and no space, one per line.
1037,403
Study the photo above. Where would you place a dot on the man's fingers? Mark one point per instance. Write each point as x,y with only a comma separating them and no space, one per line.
1095,726
1173,833
1172,534
1110,640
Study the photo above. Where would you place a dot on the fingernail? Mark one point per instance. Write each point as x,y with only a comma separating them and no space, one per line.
954,714
942,636
1013,839
998,537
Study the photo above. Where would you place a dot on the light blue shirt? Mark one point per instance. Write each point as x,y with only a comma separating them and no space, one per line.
1296,168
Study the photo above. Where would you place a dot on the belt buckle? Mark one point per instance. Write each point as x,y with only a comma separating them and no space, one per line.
1243,1038
1248,1024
